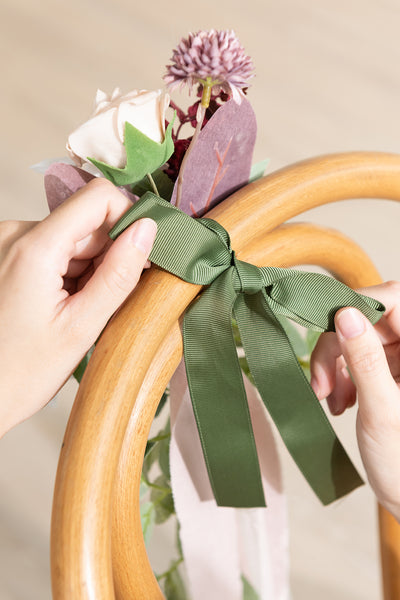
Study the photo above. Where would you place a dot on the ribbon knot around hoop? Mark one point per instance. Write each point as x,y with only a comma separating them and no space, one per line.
199,251
248,277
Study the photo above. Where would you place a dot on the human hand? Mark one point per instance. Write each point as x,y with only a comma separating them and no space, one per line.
60,282
372,355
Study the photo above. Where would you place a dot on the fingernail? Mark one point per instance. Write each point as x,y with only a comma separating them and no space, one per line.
350,323
143,234
315,387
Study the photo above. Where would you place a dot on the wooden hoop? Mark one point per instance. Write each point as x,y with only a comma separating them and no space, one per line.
95,460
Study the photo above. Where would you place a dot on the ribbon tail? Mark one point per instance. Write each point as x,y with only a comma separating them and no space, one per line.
219,399
205,529
291,401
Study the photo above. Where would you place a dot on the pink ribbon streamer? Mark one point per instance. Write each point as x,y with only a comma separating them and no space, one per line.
221,543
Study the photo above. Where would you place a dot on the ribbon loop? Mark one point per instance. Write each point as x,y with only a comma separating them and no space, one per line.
199,251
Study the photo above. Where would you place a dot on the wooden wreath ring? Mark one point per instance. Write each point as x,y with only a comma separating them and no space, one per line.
95,540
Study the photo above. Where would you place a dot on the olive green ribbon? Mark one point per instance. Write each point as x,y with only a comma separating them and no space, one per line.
199,251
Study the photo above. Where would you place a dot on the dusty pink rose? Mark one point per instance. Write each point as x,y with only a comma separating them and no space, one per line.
102,136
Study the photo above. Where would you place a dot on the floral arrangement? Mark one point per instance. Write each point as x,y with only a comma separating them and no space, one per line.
133,141
194,158
144,142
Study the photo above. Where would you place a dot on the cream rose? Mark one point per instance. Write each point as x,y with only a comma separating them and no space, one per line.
102,136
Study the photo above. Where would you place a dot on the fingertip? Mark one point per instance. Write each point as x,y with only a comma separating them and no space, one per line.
323,364
344,394
315,386
350,323
322,381
142,235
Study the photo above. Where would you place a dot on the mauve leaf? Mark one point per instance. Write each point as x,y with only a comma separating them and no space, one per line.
220,162
61,181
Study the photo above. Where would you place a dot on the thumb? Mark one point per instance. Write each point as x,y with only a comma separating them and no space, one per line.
117,275
366,360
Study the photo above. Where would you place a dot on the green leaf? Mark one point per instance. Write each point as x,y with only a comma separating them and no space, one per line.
245,368
249,593
158,450
147,517
161,497
143,155
258,170
174,588
163,401
150,457
164,184
307,372
144,488
163,457
312,338
178,538
236,334
80,369
296,339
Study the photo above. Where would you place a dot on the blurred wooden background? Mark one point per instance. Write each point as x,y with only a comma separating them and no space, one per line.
328,80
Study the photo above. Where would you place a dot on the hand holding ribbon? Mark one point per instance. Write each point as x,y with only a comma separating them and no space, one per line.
199,251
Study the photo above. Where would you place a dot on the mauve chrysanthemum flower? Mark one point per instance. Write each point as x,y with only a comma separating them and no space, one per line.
213,57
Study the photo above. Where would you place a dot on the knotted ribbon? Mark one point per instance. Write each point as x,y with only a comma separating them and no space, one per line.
199,251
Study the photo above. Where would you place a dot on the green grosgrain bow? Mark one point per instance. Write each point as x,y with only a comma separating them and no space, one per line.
199,251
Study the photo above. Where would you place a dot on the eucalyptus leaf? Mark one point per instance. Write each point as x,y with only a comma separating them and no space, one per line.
143,155
258,170
220,161
62,180
174,588
249,593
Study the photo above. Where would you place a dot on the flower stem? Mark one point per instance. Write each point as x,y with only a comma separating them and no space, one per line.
158,438
204,104
173,567
153,184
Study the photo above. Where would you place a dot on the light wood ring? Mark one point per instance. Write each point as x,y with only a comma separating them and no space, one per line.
82,513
